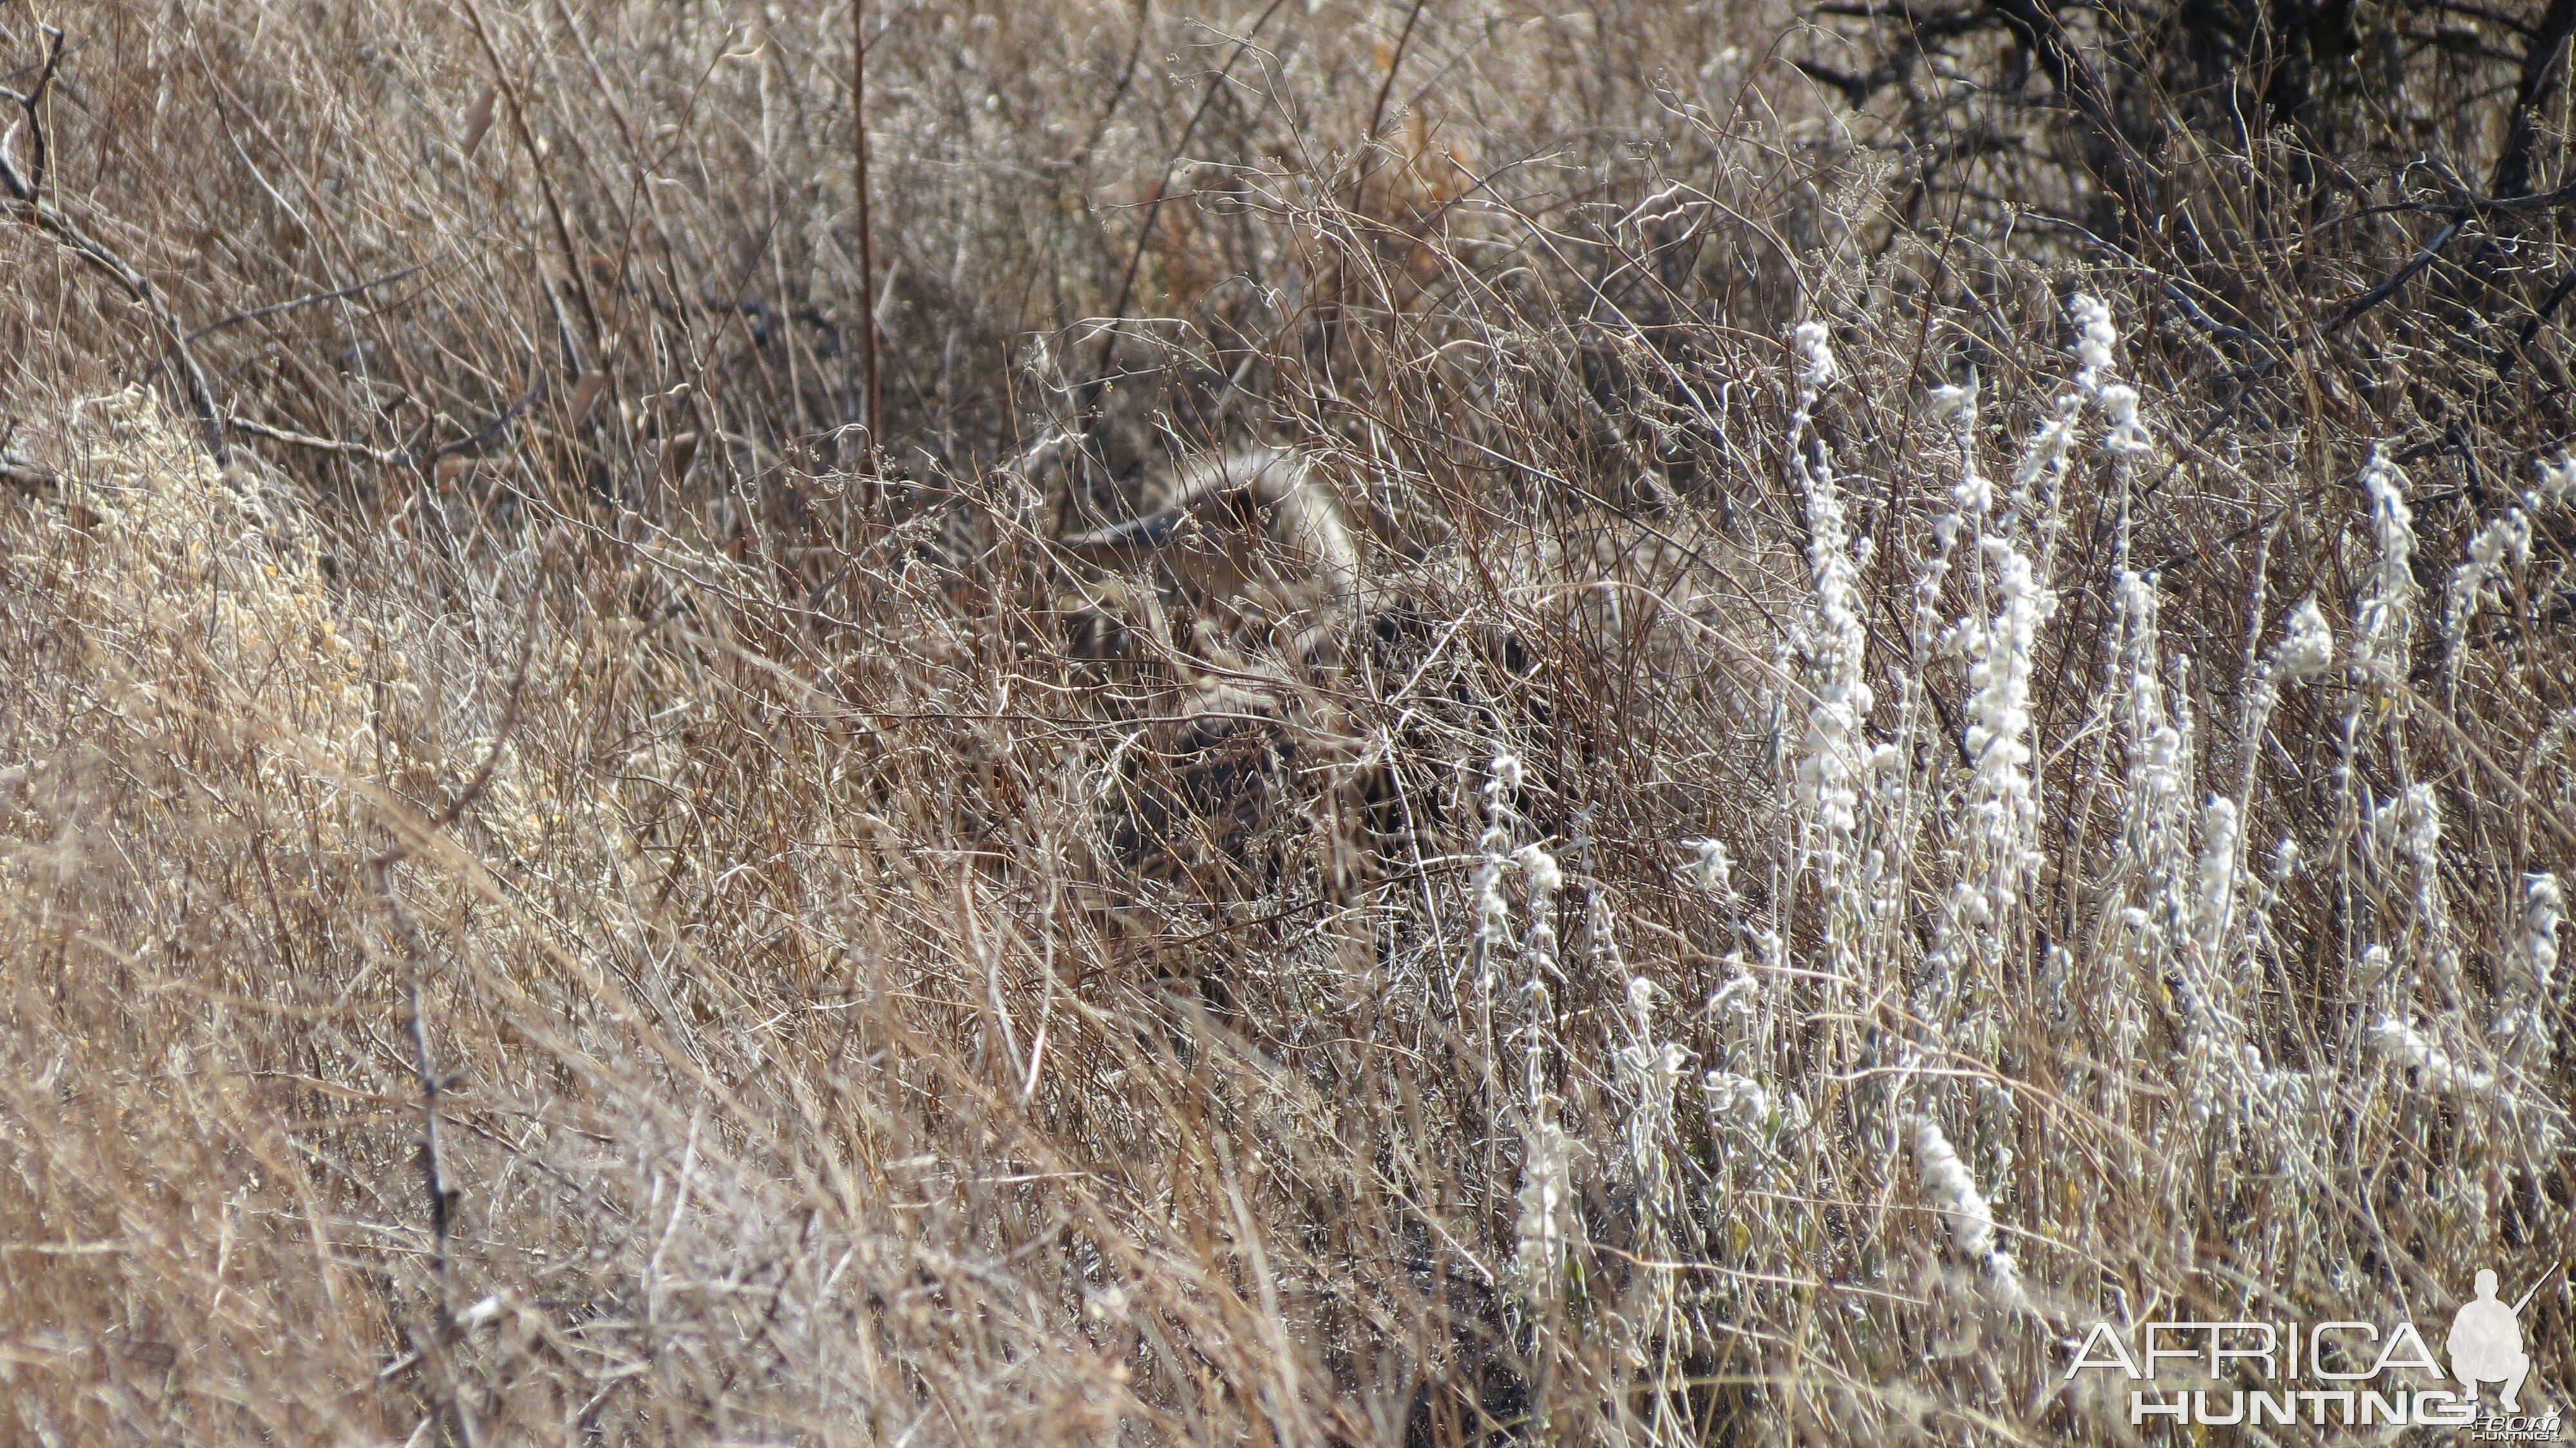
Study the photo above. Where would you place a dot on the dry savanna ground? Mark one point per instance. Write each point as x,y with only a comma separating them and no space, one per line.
1308,724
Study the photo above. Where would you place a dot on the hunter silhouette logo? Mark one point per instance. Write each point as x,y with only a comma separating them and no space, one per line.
2486,1343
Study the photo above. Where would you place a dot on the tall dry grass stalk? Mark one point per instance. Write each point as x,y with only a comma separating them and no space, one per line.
1884,788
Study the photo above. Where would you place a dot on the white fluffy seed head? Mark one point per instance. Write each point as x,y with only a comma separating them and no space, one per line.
1713,869
2049,447
2385,626
1952,1191
1545,876
2541,913
2094,334
2410,824
2408,1047
1830,752
2375,971
2285,859
2001,651
2522,1030
2217,864
1641,1004
2306,648
1739,1102
1547,1207
1815,355
2543,907
2557,482
2128,436
2498,548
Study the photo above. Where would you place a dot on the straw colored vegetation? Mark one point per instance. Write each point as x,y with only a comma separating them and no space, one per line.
1643,723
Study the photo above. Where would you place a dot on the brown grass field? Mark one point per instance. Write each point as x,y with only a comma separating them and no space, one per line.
1919,691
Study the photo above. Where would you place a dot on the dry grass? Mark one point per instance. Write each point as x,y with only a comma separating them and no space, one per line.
571,893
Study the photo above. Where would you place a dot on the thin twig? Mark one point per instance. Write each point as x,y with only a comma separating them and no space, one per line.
537,163
23,206
1394,63
399,457
446,819
316,299
867,240
1117,93
444,1331
1154,208
497,426
387,457
273,309
444,1195
26,202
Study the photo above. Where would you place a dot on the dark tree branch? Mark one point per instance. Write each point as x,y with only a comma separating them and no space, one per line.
2482,14
2352,310
1395,62
33,118
2075,79
1855,88
2531,328
2512,175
